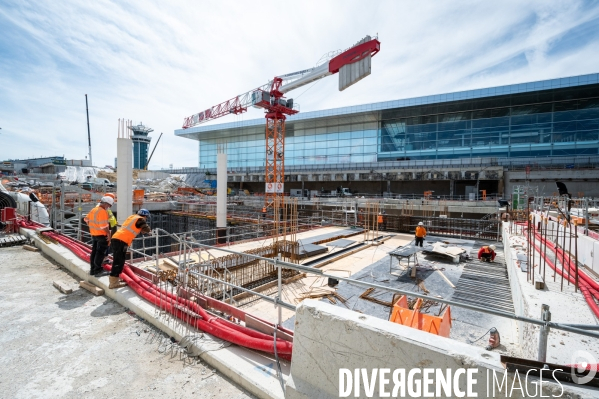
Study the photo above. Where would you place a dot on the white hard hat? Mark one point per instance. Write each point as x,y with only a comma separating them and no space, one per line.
492,247
420,224
108,200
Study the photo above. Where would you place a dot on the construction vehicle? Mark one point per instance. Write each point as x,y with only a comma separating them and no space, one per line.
100,182
352,64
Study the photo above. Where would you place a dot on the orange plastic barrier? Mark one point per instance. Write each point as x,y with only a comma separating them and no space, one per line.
439,325
138,197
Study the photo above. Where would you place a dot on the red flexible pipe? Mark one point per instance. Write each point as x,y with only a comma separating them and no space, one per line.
569,264
165,295
220,328
215,329
585,288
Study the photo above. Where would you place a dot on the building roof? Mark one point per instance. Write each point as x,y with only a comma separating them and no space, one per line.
408,102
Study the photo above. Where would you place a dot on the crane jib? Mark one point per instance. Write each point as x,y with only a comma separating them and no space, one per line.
259,97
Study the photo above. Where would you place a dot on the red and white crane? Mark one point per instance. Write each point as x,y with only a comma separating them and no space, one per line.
352,64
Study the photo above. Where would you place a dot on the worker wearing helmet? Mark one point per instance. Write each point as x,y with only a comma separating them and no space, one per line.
420,234
121,240
111,219
99,228
487,253
112,224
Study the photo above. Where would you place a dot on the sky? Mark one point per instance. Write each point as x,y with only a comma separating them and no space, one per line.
157,62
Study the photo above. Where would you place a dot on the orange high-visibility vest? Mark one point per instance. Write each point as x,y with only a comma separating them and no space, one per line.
379,219
420,231
128,231
97,220
264,210
487,250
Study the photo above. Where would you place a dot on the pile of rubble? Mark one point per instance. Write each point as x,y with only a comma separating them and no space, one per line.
172,183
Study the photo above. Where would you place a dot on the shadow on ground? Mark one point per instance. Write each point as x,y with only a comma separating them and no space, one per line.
108,308
74,300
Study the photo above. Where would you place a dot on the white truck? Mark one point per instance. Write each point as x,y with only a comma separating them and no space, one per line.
100,181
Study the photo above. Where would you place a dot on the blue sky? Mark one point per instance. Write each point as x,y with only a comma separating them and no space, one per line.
158,62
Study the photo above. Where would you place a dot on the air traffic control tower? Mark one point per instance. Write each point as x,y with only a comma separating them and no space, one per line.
141,144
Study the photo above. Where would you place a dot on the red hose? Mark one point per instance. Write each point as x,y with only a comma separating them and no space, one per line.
163,295
588,287
182,308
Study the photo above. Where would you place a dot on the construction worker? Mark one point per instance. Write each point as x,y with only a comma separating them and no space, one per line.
263,212
99,228
121,240
420,234
111,219
112,224
487,253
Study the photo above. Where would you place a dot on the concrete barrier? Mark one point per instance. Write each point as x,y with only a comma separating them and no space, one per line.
329,340
152,174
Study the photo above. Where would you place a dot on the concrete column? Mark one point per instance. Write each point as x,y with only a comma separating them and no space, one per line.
221,193
124,174
500,187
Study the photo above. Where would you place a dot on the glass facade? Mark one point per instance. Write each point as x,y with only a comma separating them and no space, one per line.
555,118
312,143
540,129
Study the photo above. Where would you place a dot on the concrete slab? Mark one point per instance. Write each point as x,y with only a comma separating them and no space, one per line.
342,243
345,267
79,345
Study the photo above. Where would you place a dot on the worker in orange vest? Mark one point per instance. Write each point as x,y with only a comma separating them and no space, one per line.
487,253
121,240
111,219
99,228
263,212
420,234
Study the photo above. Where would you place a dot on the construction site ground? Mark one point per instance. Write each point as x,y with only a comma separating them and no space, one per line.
81,345
470,277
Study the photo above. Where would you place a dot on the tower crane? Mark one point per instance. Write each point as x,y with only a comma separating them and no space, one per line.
353,64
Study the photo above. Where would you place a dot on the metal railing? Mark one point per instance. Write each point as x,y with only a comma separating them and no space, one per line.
533,163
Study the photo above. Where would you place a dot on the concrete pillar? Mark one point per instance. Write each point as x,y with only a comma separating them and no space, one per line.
500,187
221,193
124,174
451,188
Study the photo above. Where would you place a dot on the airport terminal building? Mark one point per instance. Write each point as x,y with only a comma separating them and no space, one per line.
425,138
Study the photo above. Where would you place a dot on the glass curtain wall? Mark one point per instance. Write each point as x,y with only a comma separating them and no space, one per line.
551,129
343,140
560,122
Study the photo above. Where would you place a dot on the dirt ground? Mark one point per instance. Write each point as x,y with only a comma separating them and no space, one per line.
78,345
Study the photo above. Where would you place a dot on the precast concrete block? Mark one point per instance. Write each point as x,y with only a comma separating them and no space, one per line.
331,343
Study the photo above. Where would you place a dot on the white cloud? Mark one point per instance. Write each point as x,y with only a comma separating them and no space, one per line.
158,62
